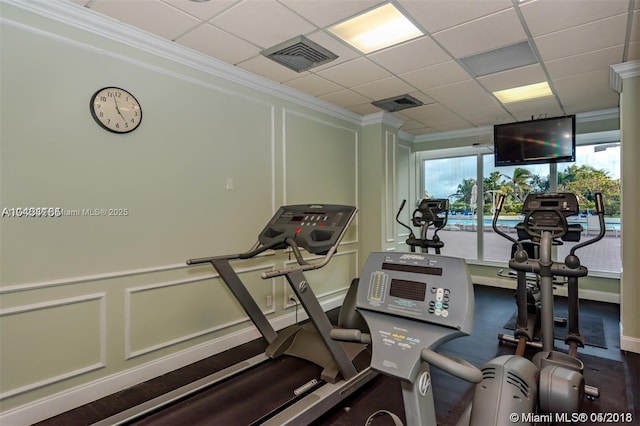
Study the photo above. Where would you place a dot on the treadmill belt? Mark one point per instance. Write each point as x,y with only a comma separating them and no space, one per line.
240,400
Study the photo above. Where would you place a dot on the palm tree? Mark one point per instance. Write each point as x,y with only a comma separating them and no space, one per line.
520,183
464,190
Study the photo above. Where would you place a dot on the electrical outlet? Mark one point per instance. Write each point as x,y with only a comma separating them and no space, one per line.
269,301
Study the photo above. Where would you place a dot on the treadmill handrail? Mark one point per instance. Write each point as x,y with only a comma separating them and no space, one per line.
306,266
245,255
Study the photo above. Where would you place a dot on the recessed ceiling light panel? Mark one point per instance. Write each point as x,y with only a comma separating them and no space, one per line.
379,28
524,93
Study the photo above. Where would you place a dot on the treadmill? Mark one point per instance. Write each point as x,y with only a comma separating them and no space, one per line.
303,372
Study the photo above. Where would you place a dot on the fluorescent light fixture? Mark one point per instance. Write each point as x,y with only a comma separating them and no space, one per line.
374,30
524,93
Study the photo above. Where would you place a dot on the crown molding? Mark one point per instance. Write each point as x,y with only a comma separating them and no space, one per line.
382,117
619,72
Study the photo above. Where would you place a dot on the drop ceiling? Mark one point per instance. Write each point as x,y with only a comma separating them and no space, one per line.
575,42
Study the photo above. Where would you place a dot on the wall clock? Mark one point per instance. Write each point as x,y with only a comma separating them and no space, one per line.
116,110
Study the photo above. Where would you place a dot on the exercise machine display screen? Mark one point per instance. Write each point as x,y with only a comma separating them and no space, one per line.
413,301
411,290
314,227
423,287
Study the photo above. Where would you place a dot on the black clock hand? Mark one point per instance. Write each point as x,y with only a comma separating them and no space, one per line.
118,109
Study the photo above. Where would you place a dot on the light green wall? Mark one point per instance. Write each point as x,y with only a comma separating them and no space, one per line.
90,304
387,176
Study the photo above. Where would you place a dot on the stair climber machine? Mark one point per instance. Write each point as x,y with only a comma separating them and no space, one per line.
303,372
414,302
545,225
430,212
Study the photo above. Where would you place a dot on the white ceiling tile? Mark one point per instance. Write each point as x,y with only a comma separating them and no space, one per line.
422,97
347,98
434,115
328,12
270,69
635,25
513,78
547,16
436,75
202,10
584,38
219,44
585,62
483,34
437,15
464,96
488,116
634,52
354,73
364,109
591,99
584,81
314,85
383,89
167,21
409,56
534,108
261,22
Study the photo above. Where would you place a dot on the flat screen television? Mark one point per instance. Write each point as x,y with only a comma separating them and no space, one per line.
546,140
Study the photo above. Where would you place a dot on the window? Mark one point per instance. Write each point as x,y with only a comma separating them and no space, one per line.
597,168
515,182
453,179
469,233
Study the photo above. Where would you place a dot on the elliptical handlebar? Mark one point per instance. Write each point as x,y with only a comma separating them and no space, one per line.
603,229
494,223
411,234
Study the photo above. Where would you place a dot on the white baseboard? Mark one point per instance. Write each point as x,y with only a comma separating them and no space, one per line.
69,399
595,295
629,344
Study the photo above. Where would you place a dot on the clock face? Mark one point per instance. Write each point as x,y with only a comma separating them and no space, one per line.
116,110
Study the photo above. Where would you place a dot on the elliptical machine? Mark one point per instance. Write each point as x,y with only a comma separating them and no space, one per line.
412,303
430,212
545,224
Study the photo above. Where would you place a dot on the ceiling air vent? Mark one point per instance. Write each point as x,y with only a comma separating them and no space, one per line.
299,54
398,103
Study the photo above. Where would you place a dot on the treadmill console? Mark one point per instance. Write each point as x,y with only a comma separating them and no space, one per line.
314,227
412,301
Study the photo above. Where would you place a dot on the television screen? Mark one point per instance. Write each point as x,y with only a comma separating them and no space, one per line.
547,140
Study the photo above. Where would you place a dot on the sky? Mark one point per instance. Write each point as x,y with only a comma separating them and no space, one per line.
443,176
